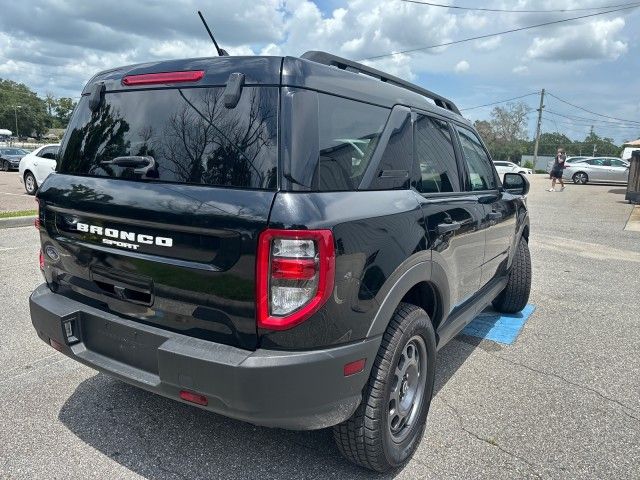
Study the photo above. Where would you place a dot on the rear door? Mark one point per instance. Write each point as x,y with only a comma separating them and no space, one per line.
619,171
453,216
157,207
498,216
45,163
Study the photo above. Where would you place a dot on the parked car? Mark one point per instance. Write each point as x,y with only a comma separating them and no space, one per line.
597,169
10,158
285,241
38,165
503,167
567,162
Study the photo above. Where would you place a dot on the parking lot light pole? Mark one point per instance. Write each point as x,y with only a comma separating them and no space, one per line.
15,110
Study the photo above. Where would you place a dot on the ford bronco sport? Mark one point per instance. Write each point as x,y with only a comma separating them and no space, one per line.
285,241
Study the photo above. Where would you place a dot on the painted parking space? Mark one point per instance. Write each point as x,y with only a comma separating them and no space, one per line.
499,327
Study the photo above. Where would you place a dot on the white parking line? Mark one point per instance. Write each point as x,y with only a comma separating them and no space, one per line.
14,194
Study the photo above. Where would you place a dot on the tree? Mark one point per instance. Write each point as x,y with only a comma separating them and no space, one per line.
506,133
550,142
64,108
509,124
18,104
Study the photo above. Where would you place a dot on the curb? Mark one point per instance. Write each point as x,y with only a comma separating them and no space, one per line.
16,222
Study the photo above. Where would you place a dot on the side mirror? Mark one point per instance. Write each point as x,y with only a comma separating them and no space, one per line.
515,183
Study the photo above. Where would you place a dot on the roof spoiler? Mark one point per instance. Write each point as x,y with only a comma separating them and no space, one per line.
325,58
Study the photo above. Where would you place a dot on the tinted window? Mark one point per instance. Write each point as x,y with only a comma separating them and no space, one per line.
617,163
435,155
598,162
348,134
396,160
11,151
48,152
190,134
480,171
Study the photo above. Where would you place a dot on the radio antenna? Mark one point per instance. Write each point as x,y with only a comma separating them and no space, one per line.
221,52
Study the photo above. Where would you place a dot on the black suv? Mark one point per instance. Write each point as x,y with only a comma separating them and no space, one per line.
285,241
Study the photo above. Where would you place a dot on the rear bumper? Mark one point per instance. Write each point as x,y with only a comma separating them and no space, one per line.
300,390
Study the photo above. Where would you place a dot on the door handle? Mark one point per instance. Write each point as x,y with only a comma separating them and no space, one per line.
448,227
495,216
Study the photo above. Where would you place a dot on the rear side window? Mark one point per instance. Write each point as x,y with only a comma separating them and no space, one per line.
436,156
189,133
348,132
481,175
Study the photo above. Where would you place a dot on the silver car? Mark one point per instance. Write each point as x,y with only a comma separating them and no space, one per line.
597,169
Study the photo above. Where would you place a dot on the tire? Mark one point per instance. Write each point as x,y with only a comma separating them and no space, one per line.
30,184
516,294
369,438
580,178
5,166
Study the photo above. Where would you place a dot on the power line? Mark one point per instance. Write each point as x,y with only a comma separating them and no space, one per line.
488,35
590,125
499,101
592,112
503,10
595,121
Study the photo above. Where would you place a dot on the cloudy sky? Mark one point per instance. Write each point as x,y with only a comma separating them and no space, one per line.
56,45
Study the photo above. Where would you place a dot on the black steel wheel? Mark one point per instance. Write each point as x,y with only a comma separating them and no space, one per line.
387,427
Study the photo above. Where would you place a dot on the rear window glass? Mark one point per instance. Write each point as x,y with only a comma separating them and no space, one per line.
189,133
348,134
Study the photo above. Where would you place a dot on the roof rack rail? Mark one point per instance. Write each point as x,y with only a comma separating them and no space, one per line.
351,66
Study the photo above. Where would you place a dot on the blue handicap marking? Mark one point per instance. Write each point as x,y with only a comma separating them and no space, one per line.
501,328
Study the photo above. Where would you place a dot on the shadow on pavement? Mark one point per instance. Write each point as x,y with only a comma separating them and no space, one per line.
619,191
159,438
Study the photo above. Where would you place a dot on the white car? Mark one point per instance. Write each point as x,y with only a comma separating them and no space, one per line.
37,165
509,167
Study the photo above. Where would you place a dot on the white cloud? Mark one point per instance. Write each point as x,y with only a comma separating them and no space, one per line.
489,44
520,70
462,66
398,65
594,40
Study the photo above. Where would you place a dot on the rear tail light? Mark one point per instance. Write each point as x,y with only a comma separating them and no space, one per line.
165,77
294,277
41,260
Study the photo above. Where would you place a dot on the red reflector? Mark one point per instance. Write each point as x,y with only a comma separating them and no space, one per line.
293,268
41,259
166,77
354,367
193,397
57,345
36,222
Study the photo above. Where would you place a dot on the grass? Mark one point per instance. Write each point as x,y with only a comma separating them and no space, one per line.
18,213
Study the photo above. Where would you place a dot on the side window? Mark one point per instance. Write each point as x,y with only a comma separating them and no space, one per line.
480,169
435,156
48,152
348,135
618,163
396,162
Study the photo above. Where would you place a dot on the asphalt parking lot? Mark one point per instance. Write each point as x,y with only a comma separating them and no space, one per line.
563,401
12,194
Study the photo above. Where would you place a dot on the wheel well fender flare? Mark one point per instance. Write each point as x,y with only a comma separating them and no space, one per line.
424,271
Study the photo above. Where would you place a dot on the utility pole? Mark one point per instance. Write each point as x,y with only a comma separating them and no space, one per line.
535,148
